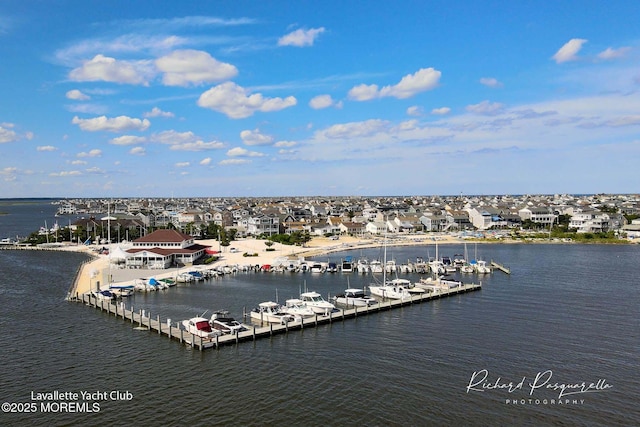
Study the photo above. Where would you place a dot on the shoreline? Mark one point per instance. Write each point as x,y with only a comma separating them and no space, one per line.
97,271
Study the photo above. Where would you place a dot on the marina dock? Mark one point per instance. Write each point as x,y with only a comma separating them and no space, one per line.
500,267
166,327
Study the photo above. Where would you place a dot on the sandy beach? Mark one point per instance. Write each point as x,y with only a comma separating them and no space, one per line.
98,273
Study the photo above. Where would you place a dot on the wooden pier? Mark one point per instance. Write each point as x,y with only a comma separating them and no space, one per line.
155,324
500,267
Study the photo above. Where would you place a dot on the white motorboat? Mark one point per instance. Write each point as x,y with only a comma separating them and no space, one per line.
438,284
353,297
391,291
271,312
185,278
315,302
347,265
221,321
122,290
317,267
297,308
200,327
481,267
390,266
375,266
467,268
396,289
448,265
362,266
437,267
104,295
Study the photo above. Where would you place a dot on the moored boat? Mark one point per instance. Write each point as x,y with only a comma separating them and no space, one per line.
354,297
221,321
104,295
347,265
315,302
297,308
200,327
362,266
271,312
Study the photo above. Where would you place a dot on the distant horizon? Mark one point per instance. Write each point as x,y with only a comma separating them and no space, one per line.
323,196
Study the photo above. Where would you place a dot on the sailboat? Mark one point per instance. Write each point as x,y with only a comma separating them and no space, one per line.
394,289
480,266
466,267
436,266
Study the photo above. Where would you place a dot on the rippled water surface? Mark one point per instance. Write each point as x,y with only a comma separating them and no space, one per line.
568,309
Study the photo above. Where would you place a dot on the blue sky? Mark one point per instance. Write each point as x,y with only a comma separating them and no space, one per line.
283,98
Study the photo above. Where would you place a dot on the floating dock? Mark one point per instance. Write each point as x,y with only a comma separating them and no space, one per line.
500,267
142,319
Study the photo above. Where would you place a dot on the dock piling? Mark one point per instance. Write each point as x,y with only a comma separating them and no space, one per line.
258,332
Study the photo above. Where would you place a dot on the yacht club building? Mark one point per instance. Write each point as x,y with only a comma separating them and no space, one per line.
162,249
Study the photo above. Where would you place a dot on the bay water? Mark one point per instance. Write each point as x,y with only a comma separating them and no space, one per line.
556,342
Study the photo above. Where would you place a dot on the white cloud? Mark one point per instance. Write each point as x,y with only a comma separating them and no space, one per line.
103,68
415,111
192,68
243,152
206,161
46,148
138,151
183,164
352,130
363,92
422,80
197,146
157,112
128,140
237,103
285,144
78,162
321,101
300,38
7,135
255,137
610,53
486,108
184,141
490,82
116,124
569,51
234,162
9,174
92,153
76,95
174,138
411,84
65,173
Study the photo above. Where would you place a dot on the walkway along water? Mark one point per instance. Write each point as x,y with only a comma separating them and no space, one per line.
167,328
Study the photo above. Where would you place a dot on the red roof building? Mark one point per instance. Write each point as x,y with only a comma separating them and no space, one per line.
164,248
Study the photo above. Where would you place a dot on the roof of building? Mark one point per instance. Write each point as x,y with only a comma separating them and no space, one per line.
164,236
172,251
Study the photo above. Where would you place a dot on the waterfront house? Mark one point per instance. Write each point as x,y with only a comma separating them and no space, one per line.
589,221
163,248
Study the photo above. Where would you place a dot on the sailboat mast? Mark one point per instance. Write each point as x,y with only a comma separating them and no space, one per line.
384,264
